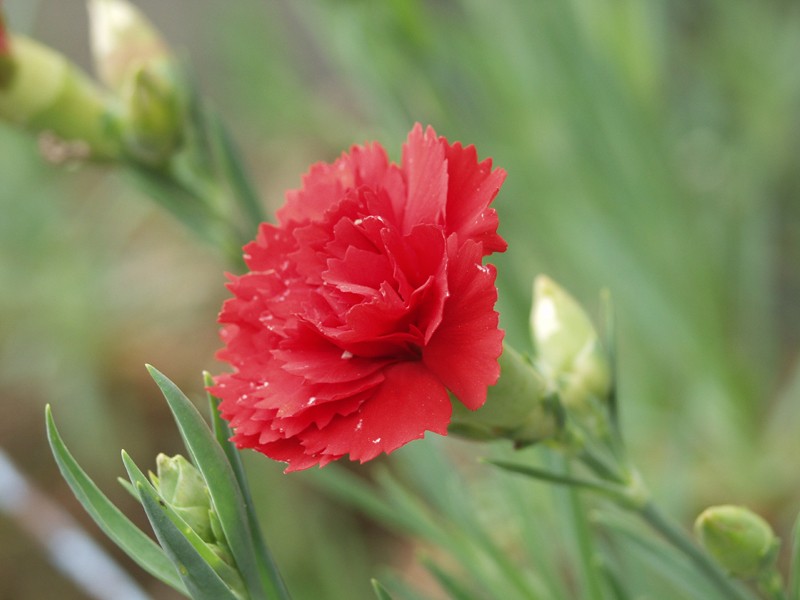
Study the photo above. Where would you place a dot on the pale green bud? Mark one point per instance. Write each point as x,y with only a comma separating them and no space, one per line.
517,407
48,94
182,486
152,123
740,540
567,347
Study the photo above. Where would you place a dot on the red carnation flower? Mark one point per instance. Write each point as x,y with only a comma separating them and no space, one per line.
365,305
5,46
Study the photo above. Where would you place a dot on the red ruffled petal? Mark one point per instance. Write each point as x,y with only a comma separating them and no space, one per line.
464,350
410,402
425,171
471,187
325,184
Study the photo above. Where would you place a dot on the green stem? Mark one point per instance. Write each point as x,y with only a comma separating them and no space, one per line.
609,489
771,585
678,538
585,545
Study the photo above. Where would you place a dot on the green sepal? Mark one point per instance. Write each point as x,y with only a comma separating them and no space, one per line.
132,540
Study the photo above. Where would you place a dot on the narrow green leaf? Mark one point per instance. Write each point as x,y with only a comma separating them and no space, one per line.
661,558
201,569
186,205
346,487
455,589
128,487
222,432
230,162
132,540
210,459
380,591
615,586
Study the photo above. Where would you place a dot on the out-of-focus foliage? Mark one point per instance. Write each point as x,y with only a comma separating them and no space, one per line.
651,149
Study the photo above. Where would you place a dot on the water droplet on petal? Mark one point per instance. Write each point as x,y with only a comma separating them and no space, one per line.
312,400
347,355
360,424
376,440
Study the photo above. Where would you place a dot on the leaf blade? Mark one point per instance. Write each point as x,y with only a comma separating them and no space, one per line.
226,496
121,530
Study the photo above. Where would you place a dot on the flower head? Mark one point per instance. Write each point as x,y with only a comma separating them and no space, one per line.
365,305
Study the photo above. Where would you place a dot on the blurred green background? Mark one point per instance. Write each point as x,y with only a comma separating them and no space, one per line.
651,149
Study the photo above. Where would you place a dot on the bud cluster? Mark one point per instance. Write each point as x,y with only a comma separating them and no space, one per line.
135,111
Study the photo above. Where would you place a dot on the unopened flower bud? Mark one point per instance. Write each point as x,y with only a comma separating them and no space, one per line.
123,41
47,93
181,486
517,407
134,61
568,349
152,122
740,540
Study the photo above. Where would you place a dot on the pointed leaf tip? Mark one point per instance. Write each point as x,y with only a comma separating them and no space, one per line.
380,591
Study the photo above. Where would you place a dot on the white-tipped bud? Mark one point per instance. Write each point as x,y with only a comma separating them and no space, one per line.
567,347
123,40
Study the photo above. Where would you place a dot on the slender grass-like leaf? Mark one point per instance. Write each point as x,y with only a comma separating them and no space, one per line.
380,591
615,587
186,205
455,589
354,491
658,556
477,552
585,543
132,540
229,161
210,459
128,487
222,433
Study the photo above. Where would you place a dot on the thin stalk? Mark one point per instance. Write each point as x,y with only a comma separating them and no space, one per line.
771,585
609,489
678,538
585,543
